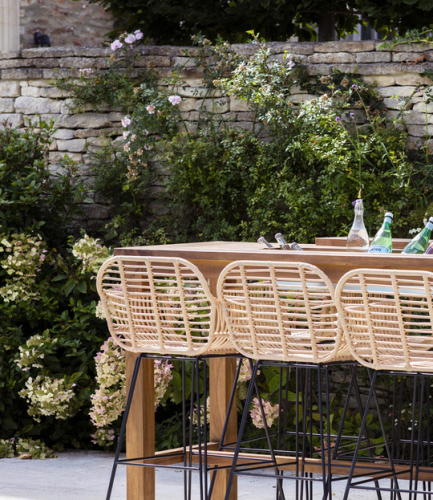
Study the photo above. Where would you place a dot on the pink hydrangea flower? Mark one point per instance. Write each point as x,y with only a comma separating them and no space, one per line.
130,38
175,99
126,121
150,109
138,35
116,45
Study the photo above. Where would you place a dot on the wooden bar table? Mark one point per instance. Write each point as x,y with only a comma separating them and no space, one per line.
329,255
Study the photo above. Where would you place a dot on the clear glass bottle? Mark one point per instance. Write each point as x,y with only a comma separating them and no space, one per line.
357,240
420,243
382,242
295,246
282,242
265,243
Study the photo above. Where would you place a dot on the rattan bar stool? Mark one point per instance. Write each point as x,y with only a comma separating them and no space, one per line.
283,315
162,308
387,317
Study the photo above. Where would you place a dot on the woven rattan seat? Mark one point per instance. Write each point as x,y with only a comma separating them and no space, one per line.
281,311
388,322
161,305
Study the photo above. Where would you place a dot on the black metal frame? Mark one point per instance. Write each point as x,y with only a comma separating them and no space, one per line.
187,454
304,433
420,445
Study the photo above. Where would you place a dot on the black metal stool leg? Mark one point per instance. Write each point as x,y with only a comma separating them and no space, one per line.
123,426
241,430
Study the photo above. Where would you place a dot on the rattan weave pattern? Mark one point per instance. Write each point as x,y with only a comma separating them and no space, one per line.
281,311
161,305
387,317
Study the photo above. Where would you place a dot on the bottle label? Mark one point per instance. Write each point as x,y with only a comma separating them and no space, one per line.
378,249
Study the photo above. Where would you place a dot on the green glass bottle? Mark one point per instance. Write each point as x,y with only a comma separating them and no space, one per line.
382,242
420,243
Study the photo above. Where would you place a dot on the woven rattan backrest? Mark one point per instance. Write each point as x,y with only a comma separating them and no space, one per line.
387,318
280,311
157,305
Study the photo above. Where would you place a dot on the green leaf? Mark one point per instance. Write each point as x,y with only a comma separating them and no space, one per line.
69,287
82,287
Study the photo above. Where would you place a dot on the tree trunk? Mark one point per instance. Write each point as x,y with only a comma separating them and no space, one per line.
326,25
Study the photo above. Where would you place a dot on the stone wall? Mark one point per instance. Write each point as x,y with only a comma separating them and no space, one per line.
66,22
26,90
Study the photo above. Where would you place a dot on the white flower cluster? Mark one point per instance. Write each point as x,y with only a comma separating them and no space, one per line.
34,350
7,448
103,437
91,253
109,399
162,376
270,410
99,311
23,256
50,397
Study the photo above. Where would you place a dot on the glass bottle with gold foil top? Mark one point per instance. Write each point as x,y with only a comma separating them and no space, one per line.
420,243
382,242
282,242
357,240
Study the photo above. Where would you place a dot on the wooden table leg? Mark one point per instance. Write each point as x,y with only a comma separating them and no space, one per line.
140,430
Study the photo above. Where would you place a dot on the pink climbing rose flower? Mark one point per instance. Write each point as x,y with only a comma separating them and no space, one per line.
126,121
175,99
138,35
150,109
130,38
116,45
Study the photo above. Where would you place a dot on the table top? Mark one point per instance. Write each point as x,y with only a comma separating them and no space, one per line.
229,251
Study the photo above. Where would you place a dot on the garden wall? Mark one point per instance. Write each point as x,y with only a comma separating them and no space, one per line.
26,89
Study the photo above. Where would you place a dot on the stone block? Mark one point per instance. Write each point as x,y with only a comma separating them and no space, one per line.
50,74
194,82
373,57
382,81
423,107
188,104
412,79
10,54
46,62
219,105
243,125
392,103
401,90
74,145
9,89
58,156
14,119
333,57
419,130
15,63
302,97
84,133
64,134
184,62
413,47
84,120
76,62
36,105
47,52
20,74
6,105
417,117
95,211
245,116
190,116
53,146
115,116
48,117
296,48
98,141
31,91
326,69
342,46
198,92
380,69
38,83
157,61
53,92
92,52
238,105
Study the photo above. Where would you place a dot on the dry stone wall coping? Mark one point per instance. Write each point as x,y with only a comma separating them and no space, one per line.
26,90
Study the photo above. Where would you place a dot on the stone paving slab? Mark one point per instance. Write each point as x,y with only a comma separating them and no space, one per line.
81,475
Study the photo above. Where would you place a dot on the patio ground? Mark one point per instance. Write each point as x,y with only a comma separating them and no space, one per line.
81,475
